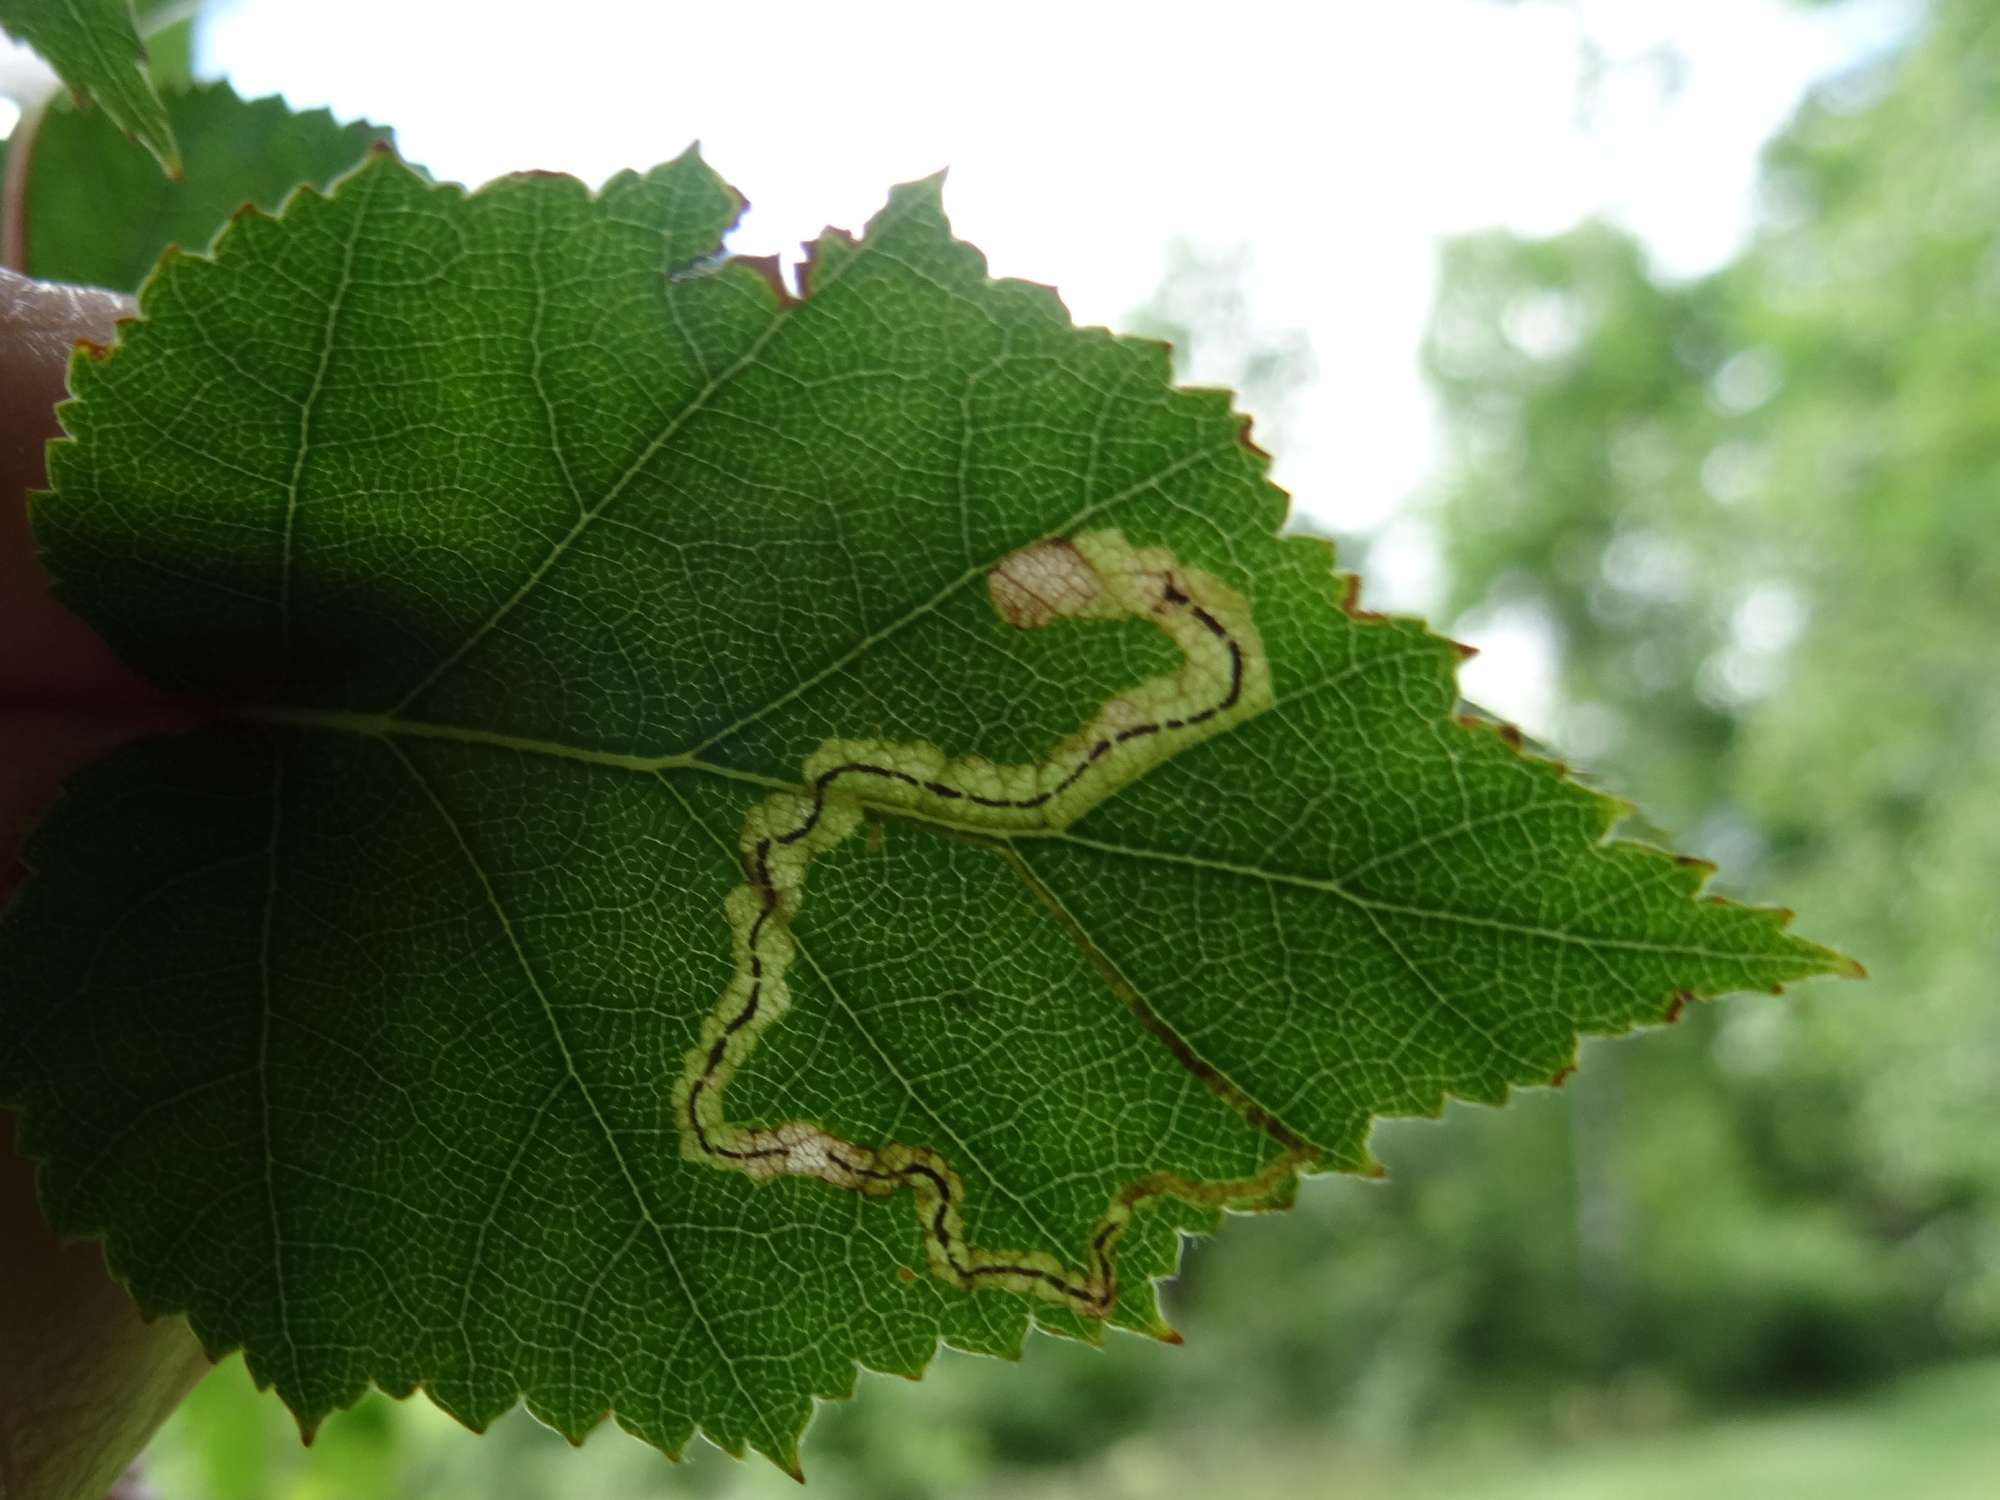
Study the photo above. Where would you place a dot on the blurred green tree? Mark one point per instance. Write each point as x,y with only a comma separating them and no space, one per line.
1760,514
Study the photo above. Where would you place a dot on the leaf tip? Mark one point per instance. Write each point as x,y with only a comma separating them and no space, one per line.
784,1456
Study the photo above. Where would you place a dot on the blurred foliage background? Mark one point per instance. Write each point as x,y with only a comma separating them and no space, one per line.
1757,517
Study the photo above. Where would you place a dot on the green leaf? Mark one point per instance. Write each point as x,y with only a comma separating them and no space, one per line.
99,212
568,970
94,47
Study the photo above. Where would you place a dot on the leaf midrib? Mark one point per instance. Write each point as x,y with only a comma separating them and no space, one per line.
389,727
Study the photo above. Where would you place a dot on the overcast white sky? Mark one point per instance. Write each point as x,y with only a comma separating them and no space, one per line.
1337,142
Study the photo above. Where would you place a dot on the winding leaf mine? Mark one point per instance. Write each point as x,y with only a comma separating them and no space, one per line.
1222,680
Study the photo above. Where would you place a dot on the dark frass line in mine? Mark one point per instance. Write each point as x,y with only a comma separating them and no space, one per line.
1096,1294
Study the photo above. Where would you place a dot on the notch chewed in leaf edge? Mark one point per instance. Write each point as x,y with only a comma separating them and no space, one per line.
563,590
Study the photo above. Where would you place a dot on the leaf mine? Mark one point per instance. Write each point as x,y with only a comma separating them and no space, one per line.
1222,679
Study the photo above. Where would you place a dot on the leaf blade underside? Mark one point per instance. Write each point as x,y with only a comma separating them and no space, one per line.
531,549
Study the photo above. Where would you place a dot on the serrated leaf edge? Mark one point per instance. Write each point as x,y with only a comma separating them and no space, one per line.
1275,1193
